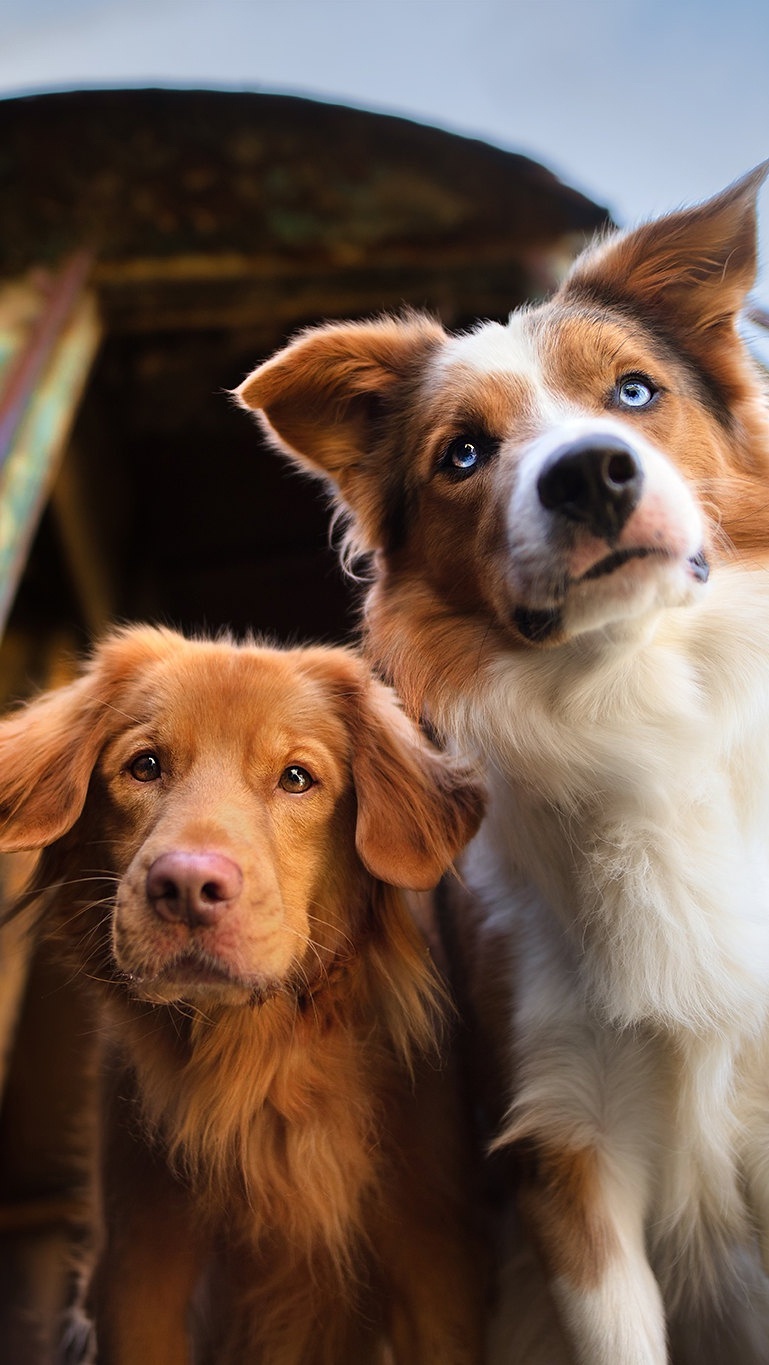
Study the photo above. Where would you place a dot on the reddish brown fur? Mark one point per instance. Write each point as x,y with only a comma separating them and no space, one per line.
583,350
260,1124
562,1202
325,403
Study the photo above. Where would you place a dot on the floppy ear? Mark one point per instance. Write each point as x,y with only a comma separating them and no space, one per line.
417,807
320,401
48,750
49,746
693,267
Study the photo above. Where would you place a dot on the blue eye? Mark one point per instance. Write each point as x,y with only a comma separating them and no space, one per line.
635,392
465,454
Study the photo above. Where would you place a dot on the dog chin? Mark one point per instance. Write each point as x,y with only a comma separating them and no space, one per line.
626,591
196,981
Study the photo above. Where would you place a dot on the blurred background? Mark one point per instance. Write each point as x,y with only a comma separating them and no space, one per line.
182,185
642,107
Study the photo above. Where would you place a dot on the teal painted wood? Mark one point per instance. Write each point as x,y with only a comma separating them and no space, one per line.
23,370
42,378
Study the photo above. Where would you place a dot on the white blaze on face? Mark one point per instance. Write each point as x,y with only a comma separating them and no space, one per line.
547,554
511,352
496,349
666,519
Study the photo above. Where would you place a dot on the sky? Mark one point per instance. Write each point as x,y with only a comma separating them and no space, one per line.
643,106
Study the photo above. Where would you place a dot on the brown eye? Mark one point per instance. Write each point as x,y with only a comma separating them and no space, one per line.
145,768
296,780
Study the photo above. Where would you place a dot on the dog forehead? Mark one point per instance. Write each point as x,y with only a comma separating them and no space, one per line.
580,347
494,348
207,688
494,379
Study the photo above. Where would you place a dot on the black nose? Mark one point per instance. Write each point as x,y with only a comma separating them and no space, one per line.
595,481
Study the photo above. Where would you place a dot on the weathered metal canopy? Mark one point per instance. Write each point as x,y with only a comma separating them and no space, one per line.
282,194
215,224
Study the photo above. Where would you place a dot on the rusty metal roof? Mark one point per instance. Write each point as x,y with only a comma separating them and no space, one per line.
162,172
216,223
209,208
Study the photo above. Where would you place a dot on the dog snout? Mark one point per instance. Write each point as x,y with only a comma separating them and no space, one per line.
193,888
595,481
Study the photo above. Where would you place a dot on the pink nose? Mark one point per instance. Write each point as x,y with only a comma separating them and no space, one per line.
195,888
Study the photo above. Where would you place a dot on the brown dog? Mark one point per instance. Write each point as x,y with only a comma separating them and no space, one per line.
224,828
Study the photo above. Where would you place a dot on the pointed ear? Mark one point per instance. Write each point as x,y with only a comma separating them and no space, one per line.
321,399
417,807
693,267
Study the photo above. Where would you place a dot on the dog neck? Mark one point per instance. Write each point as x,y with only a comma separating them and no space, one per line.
628,790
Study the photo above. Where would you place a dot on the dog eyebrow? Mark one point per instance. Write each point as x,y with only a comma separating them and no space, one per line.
615,302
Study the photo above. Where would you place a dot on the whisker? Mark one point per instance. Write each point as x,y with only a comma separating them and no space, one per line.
193,1012
104,902
308,943
110,706
330,924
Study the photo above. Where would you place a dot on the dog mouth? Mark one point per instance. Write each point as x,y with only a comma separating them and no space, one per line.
697,563
539,624
617,560
192,975
193,969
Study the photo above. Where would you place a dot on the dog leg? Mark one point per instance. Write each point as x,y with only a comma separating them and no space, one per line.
586,1216
431,1253
752,1113
584,1125
436,1316
272,1305
151,1257
755,1162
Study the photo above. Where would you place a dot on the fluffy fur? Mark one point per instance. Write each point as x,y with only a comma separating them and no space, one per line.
223,831
545,502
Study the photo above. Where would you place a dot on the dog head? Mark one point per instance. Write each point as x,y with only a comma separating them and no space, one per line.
577,470
213,815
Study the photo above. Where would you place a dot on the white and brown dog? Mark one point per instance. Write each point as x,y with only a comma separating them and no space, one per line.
569,518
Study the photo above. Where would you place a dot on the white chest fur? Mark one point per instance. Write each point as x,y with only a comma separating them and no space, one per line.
626,856
631,788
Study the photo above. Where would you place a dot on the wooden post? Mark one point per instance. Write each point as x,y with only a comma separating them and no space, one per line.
42,377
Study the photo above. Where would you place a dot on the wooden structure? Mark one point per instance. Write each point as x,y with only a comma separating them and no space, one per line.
155,245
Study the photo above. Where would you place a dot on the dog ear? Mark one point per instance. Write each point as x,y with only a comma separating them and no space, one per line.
693,267
47,752
417,807
49,746
321,399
